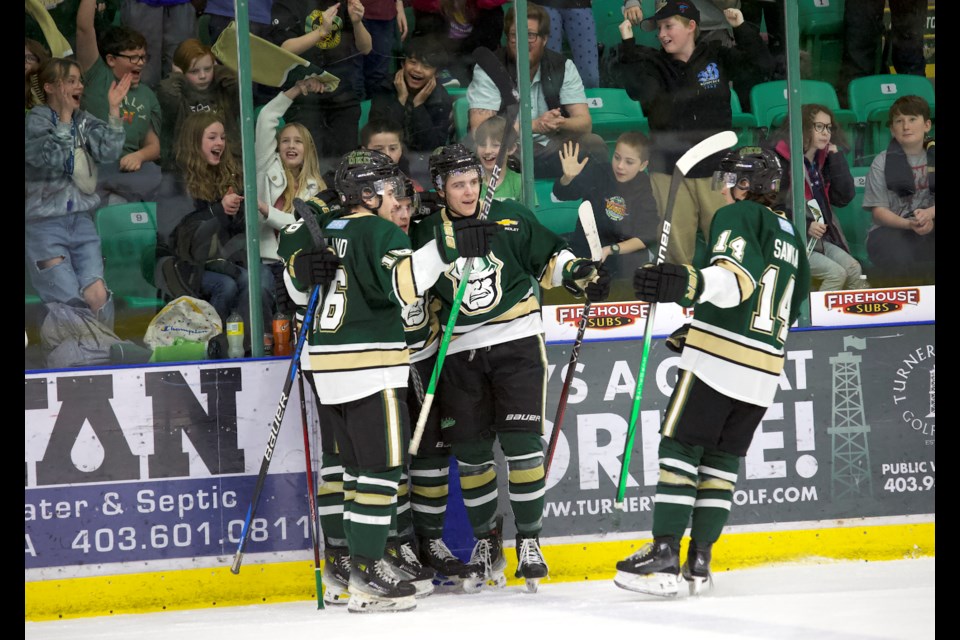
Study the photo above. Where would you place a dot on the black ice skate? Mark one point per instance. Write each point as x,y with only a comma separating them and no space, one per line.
405,564
450,571
336,575
530,563
696,569
654,570
373,588
487,557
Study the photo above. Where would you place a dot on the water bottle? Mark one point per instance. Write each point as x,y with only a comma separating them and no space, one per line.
281,335
234,336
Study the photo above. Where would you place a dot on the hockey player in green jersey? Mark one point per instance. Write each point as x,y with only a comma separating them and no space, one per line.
493,381
358,357
744,304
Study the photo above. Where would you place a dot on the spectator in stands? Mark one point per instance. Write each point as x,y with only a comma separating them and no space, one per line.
415,99
573,20
35,54
62,145
863,39
684,89
488,138
164,24
64,16
557,100
213,177
287,168
386,136
332,37
197,83
901,195
220,13
827,184
121,51
622,198
382,19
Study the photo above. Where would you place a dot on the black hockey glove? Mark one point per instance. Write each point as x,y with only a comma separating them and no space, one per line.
668,283
316,267
578,273
282,297
677,339
466,238
599,290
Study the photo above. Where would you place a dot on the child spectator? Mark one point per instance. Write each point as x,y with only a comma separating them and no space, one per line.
827,183
416,99
622,200
684,89
121,51
488,138
386,136
62,143
213,177
197,83
900,194
287,168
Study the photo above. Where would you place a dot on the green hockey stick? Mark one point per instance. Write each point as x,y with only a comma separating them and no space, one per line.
714,144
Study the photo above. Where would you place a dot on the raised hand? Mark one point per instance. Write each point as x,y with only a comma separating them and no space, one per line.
633,14
401,86
734,17
355,10
117,92
425,91
231,202
568,160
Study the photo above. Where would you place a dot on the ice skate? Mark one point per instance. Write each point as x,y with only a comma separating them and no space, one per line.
487,558
450,572
654,570
374,589
696,569
530,563
336,575
403,561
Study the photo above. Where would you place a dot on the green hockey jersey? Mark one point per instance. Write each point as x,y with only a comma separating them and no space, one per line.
500,303
356,345
739,350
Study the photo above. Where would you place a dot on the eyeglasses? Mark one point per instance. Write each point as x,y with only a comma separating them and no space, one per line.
820,127
531,36
141,59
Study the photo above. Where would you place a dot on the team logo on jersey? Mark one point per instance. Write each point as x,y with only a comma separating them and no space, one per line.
616,208
484,289
508,224
414,315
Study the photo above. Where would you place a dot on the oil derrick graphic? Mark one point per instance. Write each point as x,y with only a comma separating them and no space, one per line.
849,444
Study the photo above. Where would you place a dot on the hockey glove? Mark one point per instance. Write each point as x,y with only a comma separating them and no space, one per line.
465,238
578,273
599,290
316,267
677,339
668,283
282,298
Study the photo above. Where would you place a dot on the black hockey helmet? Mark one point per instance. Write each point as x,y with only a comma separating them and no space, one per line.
409,191
759,167
365,173
453,158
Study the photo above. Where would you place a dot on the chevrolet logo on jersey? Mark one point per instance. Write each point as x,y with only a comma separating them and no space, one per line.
511,225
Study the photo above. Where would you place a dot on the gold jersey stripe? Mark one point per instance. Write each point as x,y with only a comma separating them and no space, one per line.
739,354
744,281
359,360
404,282
373,499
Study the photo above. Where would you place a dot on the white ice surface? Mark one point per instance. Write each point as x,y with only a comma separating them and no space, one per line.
822,601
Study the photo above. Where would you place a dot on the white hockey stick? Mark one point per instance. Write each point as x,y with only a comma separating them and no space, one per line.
589,224
714,144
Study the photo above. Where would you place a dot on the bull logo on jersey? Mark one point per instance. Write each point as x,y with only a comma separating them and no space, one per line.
484,291
414,315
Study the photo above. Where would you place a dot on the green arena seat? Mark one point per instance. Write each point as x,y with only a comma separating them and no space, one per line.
128,241
768,103
855,220
364,117
461,118
743,122
614,112
558,216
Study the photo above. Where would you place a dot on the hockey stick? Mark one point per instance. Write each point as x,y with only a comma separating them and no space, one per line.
311,495
284,396
487,61
589,224
714,144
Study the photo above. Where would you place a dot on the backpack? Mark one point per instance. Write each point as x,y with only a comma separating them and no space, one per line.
185,318
197,244
73,337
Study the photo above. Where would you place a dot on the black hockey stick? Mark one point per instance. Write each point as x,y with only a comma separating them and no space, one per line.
319,242
487,61
589,224
311,494
714,144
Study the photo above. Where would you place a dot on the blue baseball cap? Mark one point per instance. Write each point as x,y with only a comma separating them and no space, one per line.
682,8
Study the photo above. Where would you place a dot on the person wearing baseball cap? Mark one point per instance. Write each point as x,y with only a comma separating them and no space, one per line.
683,8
